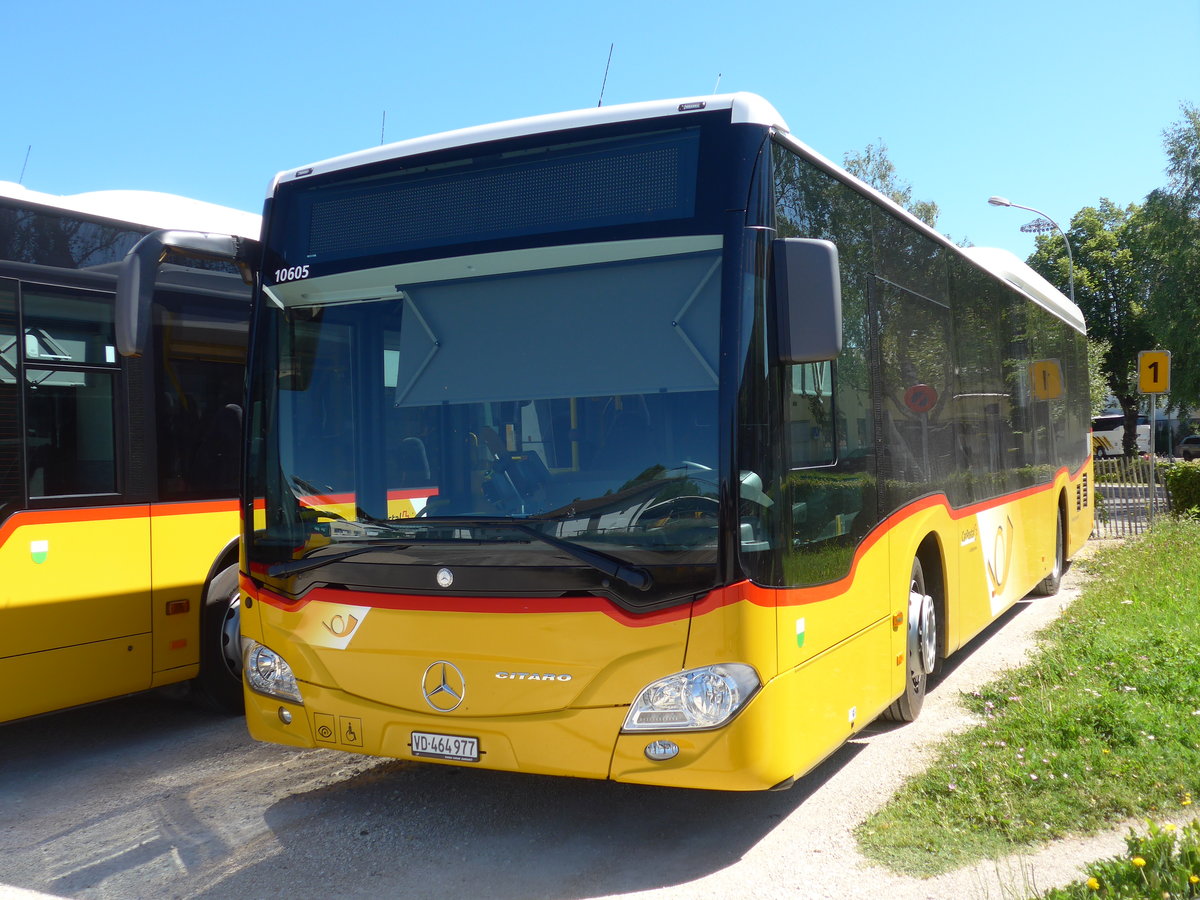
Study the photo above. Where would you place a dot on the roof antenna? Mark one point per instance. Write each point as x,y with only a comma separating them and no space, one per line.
718,84
604,83
382,127
21,180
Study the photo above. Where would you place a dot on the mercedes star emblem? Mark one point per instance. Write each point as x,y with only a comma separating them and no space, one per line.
443,686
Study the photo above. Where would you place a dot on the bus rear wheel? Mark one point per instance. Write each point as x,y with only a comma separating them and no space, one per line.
220,682
920,656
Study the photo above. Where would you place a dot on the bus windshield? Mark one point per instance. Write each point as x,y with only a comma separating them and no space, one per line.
571,388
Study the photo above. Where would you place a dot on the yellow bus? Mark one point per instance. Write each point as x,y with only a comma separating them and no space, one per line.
118,477
639,443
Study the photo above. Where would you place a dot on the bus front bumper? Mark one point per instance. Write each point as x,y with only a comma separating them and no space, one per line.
752,752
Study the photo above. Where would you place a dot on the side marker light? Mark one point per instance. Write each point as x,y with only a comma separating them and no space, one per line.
660,751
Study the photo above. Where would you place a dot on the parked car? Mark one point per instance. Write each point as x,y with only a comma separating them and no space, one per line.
1188,447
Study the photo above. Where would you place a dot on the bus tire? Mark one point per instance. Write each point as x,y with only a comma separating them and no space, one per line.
921,648
220,682
1049,585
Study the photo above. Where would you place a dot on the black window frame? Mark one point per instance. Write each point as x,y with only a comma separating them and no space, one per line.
122,438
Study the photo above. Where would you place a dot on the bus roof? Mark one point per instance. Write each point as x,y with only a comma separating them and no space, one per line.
745,108
147,208
1009,267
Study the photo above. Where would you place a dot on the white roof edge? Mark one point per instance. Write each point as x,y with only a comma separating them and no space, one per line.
1008,266
1002,263
746,108
152,209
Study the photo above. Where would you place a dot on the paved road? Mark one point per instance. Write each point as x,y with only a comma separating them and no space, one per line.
147,798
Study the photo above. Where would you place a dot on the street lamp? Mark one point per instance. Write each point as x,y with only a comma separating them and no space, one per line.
1004,201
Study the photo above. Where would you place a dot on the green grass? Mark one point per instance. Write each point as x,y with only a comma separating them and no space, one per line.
1101,726
1164,862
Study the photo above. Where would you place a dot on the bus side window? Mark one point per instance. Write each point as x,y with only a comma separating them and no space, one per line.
70,372
202,346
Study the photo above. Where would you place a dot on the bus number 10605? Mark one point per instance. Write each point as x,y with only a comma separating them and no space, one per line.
293,273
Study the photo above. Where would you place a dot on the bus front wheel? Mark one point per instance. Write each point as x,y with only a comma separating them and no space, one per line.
920,657
1049,585
220,681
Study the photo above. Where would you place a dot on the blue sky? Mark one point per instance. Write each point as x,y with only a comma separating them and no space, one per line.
1052,104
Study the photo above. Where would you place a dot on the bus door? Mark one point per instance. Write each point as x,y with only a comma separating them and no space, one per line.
75,562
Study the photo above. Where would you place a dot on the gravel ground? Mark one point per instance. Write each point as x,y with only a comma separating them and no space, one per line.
145,798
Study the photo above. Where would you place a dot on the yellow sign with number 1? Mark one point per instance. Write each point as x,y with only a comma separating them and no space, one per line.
1154,371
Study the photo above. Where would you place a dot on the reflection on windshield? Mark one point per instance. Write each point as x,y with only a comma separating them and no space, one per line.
578,400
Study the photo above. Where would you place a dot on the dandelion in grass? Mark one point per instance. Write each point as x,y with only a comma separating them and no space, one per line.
1094,885
1194,879
1138,861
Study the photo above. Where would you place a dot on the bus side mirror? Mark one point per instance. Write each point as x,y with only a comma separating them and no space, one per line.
137,271
808,300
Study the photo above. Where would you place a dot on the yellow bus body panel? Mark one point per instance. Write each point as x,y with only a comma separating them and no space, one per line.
73,579
780,734
831,658
188,539
362,668
84,600
71,676
349,647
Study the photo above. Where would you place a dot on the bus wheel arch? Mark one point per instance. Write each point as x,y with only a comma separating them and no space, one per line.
1049,585
219,684
924,624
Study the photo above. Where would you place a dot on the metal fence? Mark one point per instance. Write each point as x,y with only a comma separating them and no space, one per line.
1125,505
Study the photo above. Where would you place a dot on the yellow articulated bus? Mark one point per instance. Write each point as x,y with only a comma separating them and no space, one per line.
118,477
640,443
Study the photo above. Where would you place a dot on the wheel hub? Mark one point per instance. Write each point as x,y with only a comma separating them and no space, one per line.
231,640
922,631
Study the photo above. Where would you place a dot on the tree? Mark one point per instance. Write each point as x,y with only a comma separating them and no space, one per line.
1097,382
1111,288
1167,237
875,168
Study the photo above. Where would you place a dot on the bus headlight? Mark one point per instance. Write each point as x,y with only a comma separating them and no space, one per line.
268,673
706,697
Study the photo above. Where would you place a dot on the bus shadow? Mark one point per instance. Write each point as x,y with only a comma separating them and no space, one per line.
132,727
960,656
967,650
415,830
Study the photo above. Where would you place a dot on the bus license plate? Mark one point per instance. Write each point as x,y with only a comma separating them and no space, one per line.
445,746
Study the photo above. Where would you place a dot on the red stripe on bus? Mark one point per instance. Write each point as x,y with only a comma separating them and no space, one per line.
35,517
194,507
766,597
494,605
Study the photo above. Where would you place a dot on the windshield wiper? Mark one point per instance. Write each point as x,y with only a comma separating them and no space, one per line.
634,576
296,566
